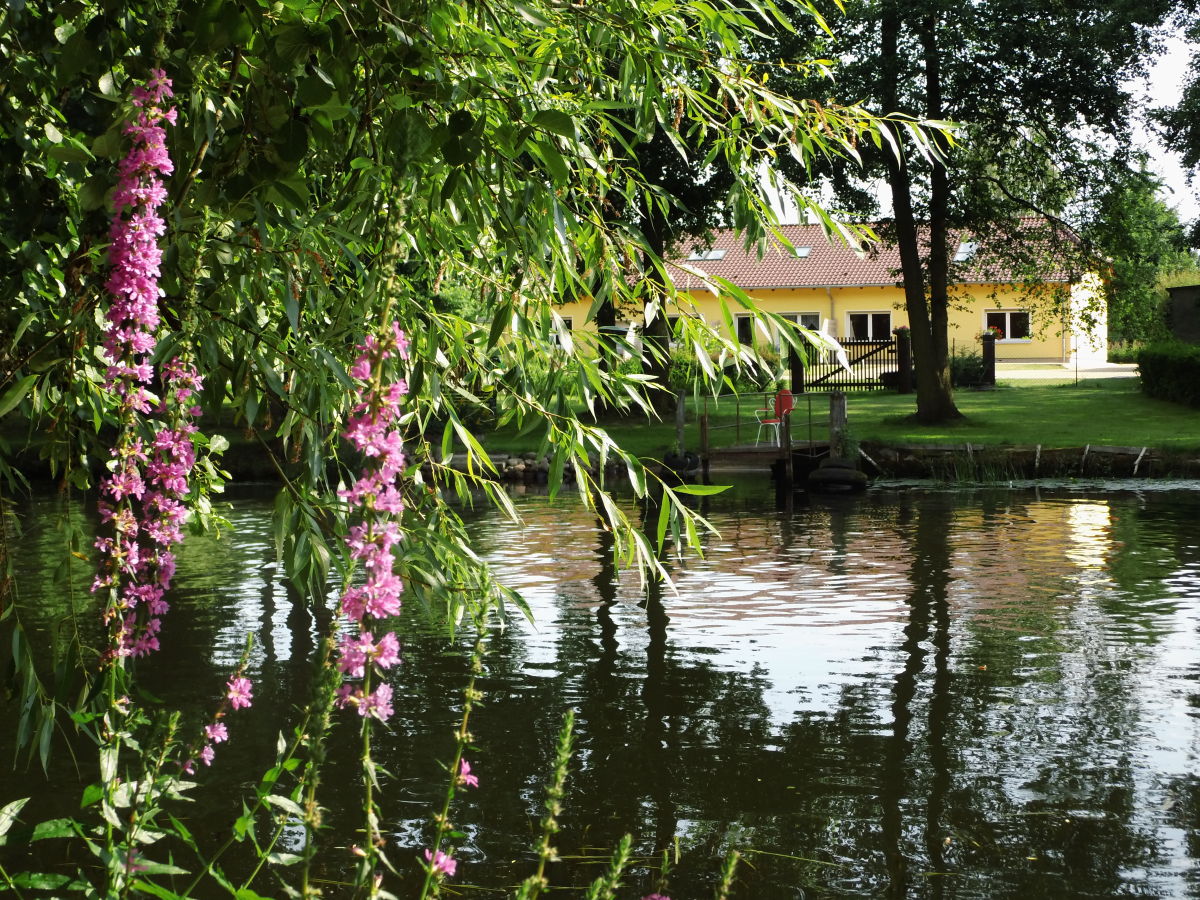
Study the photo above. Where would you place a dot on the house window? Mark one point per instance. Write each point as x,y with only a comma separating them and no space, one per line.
745,329
1013,324
870,326
706,255
555,337
966,250
802,252
811,321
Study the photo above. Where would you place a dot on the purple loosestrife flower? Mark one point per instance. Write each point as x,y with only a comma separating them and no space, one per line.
441,863
373,430
141,496
465,777
238,694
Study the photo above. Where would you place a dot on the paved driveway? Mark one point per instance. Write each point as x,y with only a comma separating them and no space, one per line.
1014,371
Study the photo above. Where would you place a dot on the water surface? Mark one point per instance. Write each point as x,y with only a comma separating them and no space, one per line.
914,693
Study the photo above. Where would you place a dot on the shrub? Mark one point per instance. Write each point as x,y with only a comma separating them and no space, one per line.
1171,371
966,370
1124,353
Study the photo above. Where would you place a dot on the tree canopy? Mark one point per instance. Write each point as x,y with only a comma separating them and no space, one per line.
1037,91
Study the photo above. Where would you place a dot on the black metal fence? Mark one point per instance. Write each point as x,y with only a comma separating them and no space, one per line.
873,366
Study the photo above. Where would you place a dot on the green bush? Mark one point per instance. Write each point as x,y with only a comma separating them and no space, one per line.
1171,372
966,370
1124,353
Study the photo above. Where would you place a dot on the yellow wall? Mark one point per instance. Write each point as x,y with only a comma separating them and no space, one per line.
1051,338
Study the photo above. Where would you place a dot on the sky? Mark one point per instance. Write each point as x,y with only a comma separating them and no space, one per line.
1161,86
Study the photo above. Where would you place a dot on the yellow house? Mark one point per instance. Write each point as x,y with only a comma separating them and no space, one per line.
828,287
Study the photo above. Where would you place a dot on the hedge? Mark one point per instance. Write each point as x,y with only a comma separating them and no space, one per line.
1171,372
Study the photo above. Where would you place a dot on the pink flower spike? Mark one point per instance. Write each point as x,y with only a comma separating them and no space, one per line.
441,863
465,777
239,692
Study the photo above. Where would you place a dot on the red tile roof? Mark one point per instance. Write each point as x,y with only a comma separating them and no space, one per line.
830,263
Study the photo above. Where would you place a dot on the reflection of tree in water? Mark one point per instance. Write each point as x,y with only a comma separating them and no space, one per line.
1010,794
1034,756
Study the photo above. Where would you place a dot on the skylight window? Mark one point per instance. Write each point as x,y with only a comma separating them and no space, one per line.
802,252
965,251
706,255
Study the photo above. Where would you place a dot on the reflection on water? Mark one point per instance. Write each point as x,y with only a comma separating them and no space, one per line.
906,694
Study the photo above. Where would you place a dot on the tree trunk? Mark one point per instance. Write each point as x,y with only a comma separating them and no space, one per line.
656,336
939,258
935,400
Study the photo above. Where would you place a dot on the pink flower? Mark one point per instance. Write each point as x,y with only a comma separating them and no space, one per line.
239,692
387,651
465,777
378,704
216,732
207,753
441,863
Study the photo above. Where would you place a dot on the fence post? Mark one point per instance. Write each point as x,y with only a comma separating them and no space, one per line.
837,424
796,366
904,371
988,340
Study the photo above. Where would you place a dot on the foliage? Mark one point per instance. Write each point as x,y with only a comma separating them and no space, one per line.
966,369
1171,371
338,170
1035,89
1144,242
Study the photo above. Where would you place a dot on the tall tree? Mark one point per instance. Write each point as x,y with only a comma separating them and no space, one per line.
1143,241
1034,88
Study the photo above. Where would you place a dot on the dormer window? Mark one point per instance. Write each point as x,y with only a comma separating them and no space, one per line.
965,251
706,255
802,252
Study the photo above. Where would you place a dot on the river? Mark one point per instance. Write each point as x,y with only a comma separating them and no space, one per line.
916,692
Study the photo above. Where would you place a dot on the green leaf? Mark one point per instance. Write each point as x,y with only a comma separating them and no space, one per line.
16,393
557,121
8,815
155,890
286,804
91,794
700,490
53,828
43,881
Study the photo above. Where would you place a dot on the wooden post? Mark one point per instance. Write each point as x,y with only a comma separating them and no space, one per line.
837,424
796,366
786,459
904,371
989,359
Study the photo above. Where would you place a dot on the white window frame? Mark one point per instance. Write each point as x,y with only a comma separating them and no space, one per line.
870,324
555,337
1007,326
756,329
796,317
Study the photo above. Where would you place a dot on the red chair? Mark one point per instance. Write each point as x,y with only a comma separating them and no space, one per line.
784,404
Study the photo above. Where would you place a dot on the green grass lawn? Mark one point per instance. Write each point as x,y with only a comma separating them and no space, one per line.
1097,412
